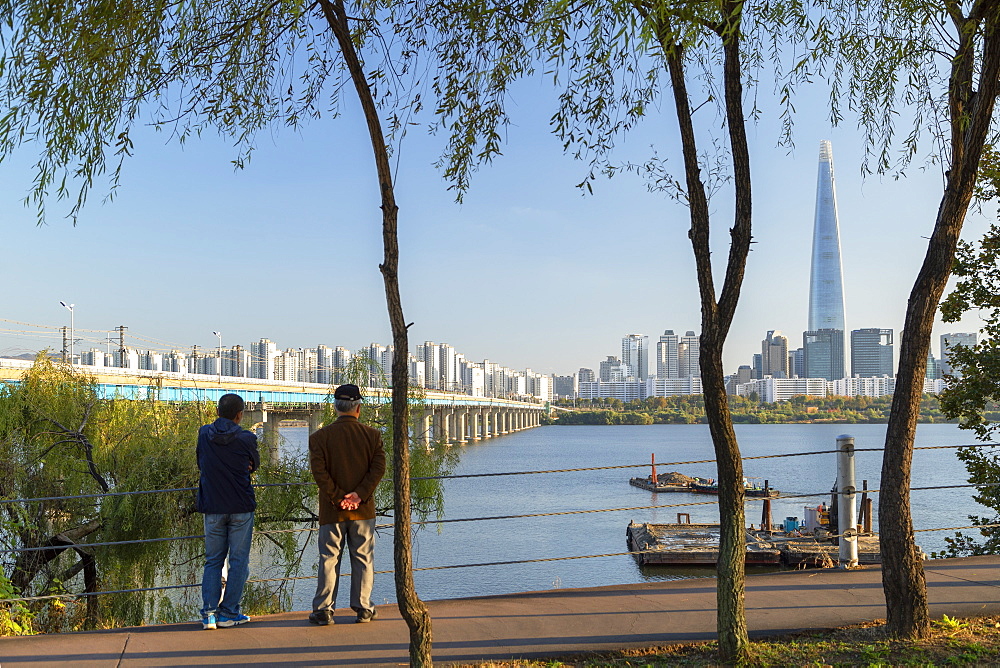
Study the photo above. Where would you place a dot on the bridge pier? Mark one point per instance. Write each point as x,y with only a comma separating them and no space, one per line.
315,420
474,419
423,424
462,419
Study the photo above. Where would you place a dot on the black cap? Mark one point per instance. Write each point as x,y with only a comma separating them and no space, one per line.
347,392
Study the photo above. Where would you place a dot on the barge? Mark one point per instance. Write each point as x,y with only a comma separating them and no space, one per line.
751,488
665,482
685,544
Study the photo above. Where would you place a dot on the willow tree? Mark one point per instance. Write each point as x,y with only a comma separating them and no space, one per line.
613,59
64,448
936,62
77,77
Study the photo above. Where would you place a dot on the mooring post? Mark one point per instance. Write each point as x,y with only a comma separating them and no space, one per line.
652,463
765,516
846,511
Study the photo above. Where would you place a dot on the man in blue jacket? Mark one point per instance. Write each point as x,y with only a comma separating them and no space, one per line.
227,455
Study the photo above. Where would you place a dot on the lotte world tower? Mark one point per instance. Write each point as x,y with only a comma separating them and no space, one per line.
824,342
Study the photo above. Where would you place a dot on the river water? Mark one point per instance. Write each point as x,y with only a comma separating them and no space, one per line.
560,536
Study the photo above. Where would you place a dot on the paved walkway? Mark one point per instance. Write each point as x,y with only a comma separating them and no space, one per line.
536,624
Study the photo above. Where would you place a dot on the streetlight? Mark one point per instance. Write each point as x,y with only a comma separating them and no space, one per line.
72,329
219,334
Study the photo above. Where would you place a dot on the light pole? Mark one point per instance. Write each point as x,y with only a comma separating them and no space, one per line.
219,334
72,329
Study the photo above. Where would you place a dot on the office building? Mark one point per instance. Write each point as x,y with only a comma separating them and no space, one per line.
796,363
871,352
564,387
823,354
933,371
949,341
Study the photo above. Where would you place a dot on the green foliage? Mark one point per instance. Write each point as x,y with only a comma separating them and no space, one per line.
950,625
426,463
58,438
690,409
976,382
15,617
78,77
983,465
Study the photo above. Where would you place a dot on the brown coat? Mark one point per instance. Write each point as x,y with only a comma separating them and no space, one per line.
346,456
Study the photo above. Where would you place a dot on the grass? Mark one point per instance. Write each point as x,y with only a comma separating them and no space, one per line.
953,642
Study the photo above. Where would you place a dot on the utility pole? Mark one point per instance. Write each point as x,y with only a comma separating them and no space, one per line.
121,346
65,350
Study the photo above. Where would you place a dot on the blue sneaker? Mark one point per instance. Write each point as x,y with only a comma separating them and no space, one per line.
208,621
226,622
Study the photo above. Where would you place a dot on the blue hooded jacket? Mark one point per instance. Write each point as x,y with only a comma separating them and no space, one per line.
227,455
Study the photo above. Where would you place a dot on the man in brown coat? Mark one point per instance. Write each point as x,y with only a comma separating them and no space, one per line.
347,462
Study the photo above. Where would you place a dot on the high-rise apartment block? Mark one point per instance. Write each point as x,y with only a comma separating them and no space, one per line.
871,352
667,359
688,350
429,352
635,354
613,370
262,356
774,355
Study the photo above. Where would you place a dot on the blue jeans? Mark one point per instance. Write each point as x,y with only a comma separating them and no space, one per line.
226,535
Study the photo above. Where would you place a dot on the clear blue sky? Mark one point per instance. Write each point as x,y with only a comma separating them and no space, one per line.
527,272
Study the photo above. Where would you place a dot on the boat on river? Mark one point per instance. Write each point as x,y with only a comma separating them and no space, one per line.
750,487
664,482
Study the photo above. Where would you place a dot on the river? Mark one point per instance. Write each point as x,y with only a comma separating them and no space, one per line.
556,537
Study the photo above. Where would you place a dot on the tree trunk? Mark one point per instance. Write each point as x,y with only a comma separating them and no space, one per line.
717,319
413,610
971,112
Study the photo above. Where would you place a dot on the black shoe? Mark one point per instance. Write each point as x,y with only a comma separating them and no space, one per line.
367,615
320,617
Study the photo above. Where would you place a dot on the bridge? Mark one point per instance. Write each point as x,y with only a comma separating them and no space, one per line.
444,417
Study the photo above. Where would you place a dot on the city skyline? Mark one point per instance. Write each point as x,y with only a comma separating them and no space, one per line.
675,357
525,265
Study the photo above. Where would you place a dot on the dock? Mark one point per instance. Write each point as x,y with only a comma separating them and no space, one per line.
698,545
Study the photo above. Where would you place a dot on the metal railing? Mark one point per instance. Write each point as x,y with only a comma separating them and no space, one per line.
645,465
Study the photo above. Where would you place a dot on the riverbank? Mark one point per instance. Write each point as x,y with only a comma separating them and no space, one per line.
690,409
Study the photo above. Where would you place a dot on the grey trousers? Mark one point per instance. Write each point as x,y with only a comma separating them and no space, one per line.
360,538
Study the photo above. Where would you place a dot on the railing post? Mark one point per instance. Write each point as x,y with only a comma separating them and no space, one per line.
847,512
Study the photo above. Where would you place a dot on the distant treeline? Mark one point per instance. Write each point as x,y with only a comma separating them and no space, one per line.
690,409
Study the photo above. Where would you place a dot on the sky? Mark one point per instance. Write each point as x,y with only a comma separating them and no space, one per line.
527,271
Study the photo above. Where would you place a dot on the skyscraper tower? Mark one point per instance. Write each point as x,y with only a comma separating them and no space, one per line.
826,281
826,278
